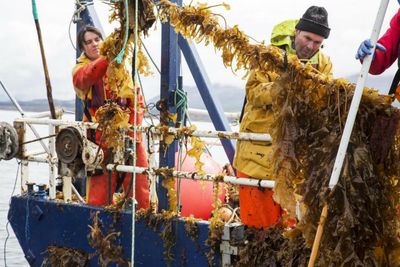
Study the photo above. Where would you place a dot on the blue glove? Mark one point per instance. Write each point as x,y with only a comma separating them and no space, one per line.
366,48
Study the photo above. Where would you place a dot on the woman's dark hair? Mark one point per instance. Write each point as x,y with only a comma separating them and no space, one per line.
80,39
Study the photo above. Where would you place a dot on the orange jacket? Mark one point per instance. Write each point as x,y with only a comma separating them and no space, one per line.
89,83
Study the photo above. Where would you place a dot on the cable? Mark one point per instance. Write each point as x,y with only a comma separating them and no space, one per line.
144,97
8,222
121,53
135,128
148,54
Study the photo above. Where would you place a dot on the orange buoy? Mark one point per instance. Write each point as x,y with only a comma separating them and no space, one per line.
197,196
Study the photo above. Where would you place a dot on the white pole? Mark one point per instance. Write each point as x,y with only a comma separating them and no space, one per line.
355,102
199,133
21,111
344,142
194,176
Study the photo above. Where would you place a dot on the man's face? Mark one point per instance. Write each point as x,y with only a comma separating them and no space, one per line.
306,44
91,45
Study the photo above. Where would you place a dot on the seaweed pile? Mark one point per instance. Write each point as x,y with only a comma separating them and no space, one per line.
119,45
65,257
118,48
269,247
362,216
310,111
105,244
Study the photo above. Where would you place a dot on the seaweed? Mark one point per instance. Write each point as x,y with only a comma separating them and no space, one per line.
105,244
154,221
65,257
362,217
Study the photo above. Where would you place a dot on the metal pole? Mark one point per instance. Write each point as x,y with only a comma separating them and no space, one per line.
206,134
344,142
44,62
355,102
194,176
13,100
21,111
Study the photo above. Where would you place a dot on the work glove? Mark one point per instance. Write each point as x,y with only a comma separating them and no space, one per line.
366,48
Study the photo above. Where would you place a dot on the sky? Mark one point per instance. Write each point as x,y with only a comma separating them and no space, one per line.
21,68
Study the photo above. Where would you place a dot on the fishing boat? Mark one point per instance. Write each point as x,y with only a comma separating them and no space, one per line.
55,226
52,221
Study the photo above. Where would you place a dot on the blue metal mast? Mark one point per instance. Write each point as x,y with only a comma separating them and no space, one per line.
87,16
170,66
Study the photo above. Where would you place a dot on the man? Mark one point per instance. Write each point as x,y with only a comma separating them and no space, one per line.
303,38
386,53
89,77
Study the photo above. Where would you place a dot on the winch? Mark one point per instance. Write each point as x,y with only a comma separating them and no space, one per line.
76,154
8,141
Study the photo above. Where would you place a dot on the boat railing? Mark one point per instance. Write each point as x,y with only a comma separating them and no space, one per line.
49,155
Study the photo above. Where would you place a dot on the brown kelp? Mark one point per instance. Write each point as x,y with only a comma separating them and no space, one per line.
310,111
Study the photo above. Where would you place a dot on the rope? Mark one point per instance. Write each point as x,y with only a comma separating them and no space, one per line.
180,161
185,111
76,16
182,103
182,106
8,222
134,121
121,53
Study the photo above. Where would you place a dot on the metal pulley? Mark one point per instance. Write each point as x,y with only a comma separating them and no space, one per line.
8,141
69,145
92,155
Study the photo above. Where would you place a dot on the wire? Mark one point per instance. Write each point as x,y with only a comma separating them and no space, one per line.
8,222
144,97
133,177
148,54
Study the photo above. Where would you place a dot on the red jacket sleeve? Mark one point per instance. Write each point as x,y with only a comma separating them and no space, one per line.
87,75
390,40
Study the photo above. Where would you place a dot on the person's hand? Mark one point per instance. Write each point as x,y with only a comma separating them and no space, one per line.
365,48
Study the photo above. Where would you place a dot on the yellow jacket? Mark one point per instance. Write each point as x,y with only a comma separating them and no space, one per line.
253,157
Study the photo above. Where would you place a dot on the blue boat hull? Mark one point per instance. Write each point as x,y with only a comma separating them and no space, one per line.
39,223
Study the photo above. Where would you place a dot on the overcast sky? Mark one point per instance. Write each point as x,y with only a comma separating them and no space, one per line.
21,69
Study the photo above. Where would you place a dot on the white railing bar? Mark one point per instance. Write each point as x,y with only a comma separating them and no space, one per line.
194,176
207,134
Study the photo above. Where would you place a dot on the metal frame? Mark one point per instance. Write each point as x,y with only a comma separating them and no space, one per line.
210,100
170,67
172,43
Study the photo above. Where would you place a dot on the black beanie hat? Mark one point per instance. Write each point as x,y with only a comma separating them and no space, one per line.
315,20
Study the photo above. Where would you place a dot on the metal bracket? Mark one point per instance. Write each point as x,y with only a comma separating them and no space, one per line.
232,232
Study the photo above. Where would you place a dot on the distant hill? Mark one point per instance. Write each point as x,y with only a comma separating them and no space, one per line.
230,97
38,105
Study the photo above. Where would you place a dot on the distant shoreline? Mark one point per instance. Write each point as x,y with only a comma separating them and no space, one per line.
38,105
